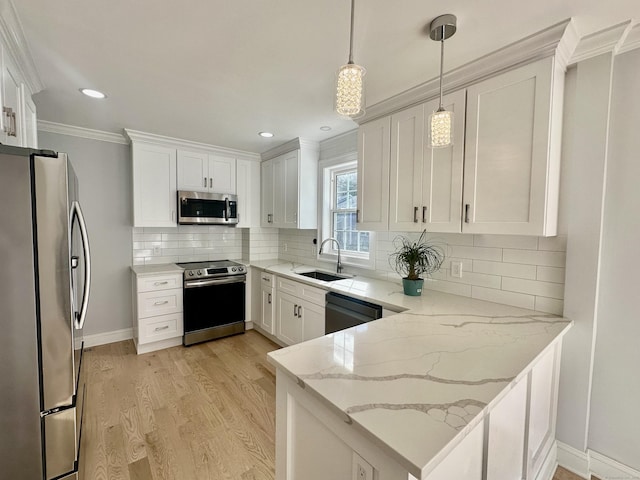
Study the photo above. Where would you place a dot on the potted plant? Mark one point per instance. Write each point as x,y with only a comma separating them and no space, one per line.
413,259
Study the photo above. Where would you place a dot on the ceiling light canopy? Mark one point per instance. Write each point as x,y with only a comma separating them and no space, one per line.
92,93
265,134
350,84
440,126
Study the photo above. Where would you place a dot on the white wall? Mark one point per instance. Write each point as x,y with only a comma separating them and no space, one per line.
614,428
104,175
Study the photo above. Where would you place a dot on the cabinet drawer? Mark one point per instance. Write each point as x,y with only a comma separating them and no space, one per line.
160,282
153,329
312,294
159,303
287,286
266,279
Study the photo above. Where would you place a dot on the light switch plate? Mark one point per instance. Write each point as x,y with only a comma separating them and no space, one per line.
456,268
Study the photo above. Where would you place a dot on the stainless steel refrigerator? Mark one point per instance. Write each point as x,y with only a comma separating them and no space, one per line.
45,272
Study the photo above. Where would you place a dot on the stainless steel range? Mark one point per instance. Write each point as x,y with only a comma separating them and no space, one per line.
214,300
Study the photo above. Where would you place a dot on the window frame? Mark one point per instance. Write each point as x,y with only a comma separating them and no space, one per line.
328,170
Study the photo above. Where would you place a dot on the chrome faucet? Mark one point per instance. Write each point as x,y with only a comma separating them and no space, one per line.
331,239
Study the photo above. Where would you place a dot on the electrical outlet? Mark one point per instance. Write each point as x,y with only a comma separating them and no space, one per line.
362,470
456,269
313,250
157,250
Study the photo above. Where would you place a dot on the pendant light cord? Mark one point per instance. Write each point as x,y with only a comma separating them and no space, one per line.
441,67
353,2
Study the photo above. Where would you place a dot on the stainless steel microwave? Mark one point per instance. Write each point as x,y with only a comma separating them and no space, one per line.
201,208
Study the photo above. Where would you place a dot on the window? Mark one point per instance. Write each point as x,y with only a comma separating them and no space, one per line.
339,214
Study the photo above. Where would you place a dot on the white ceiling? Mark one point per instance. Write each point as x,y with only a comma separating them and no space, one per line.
219,71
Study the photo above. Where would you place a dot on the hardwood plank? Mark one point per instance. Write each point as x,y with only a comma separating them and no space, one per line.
116,458
140,470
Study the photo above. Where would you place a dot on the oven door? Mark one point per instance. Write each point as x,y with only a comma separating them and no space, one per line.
213,308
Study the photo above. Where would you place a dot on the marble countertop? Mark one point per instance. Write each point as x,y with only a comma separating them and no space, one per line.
417,382
142,270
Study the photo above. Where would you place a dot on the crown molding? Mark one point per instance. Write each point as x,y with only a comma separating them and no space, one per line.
632,40
178,143
559,40
342,144
607,40
73,131
290,146
13,39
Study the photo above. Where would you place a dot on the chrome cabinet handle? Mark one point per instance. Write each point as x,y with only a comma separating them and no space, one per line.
269,298
14,125
424,214
358,216
270,218
160,283
300,311
158,329
466,213
210,182
162,303
10,129
205,182
295,310
415,214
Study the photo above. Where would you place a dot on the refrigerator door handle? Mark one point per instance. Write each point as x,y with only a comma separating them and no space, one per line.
81,316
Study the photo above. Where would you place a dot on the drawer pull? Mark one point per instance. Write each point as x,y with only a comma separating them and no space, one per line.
158,329
415,214
162,303
160,283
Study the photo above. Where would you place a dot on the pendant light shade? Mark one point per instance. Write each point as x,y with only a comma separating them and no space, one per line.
350,83
440,127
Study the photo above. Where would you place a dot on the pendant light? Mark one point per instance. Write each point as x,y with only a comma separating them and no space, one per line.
440,126
350,86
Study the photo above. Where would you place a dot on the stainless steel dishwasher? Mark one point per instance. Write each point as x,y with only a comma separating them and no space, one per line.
343,312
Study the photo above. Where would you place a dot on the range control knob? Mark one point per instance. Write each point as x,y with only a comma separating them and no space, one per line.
199,272
233,269
191,274
241,269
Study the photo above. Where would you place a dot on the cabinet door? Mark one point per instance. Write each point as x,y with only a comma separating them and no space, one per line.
290,214
266,321
266,188
154,186
407,145
441,208
289,325
507,150
222,174
247,190
373,175
193,171
29,120
11,99
279,192
312,317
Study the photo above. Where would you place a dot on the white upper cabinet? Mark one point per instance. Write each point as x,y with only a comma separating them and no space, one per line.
222,174
290,188
426,183
154,185
373,175
193,171
203,172
12,109
248,191
512,159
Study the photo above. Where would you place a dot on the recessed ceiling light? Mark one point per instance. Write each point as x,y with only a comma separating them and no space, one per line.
325,128
92,93
265,134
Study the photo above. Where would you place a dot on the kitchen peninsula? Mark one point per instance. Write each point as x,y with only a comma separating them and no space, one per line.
451,388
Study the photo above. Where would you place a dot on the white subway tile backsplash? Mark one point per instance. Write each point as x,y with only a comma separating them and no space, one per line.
549,305
479,253
550,274
534,257
533,287
506,241
556,244
448,287
506,298
504,269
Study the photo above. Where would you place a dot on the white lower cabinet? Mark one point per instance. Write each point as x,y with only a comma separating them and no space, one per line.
157,311
268,304
299,311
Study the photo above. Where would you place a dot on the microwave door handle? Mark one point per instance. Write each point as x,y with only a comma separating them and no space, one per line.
227,208
81,316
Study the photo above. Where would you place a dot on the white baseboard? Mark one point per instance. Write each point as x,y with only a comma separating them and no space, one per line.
604,467
108,337
573,460
550,464
590,463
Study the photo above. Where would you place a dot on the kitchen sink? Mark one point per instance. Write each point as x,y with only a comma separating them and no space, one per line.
324,276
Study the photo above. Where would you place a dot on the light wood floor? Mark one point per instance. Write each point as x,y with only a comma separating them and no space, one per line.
203,412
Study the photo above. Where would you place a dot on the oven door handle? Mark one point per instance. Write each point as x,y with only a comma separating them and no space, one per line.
215,281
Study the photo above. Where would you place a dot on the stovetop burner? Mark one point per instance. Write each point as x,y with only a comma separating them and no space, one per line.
212,268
